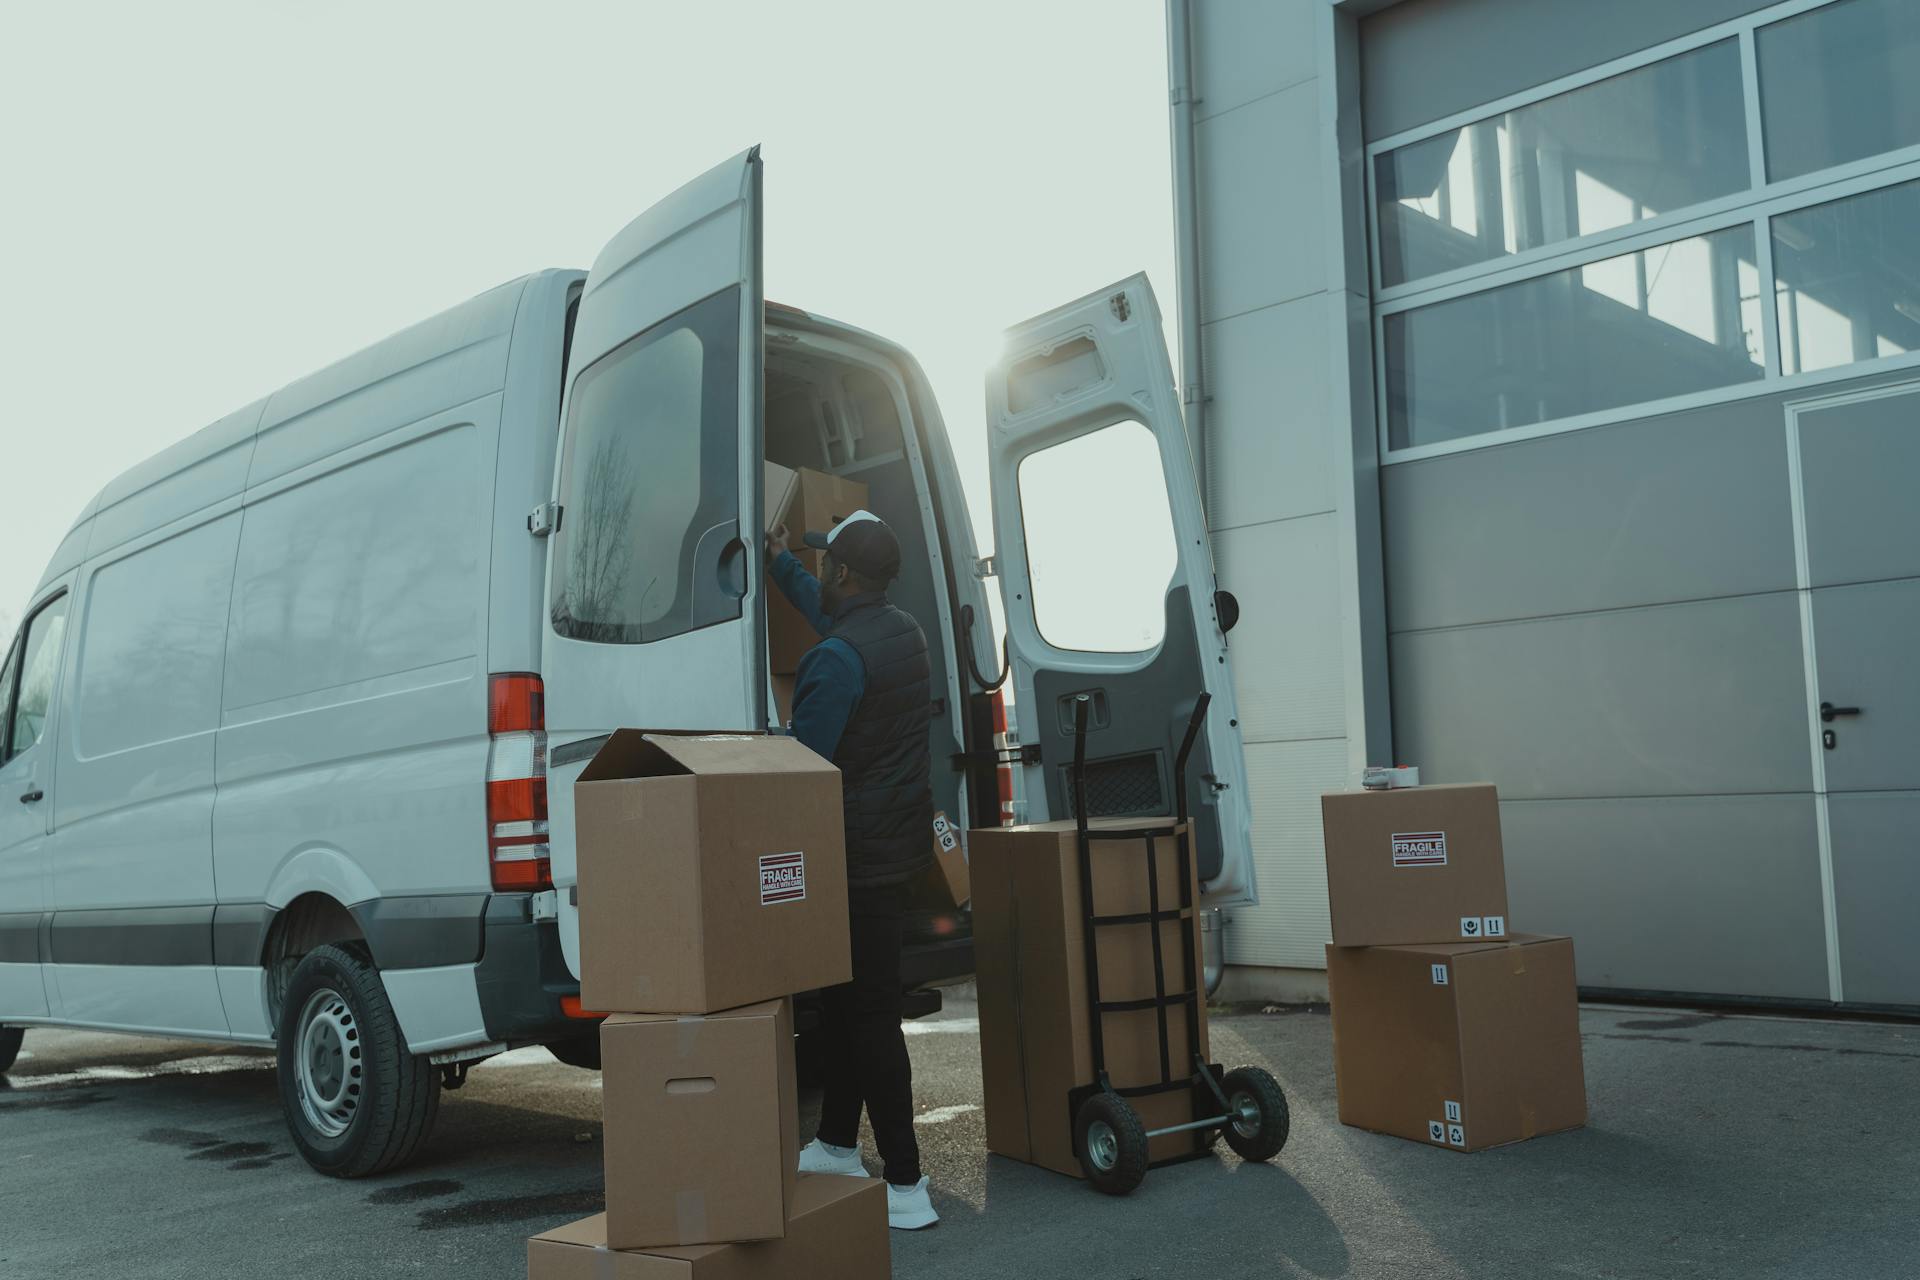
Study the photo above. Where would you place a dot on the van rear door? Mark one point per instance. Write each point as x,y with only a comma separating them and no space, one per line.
654,607
1107,576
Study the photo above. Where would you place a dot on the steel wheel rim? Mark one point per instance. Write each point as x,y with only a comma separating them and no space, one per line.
1103,1146
1246,1115
326,1063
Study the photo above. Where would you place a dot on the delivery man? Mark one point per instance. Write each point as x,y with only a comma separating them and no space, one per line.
862,698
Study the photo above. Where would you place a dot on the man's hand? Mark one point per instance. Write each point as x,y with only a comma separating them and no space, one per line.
776,542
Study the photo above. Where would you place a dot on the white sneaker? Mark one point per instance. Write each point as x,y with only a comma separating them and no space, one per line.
824,1157
910,1208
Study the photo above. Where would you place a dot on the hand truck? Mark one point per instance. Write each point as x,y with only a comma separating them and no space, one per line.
1244,1105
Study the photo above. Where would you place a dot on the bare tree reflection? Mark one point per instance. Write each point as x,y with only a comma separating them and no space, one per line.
597,527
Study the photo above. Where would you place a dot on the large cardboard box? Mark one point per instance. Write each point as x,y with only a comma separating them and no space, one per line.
1464,1045
1415,864
802,500
944,885
702,1125
838,1231
1031,975
690,843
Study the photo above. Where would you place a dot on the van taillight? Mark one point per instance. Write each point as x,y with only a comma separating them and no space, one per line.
1003,748
517,847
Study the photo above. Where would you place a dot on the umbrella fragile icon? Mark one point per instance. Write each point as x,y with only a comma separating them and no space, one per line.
1469,926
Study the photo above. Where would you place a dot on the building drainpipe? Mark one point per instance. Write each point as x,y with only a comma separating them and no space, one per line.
1186,231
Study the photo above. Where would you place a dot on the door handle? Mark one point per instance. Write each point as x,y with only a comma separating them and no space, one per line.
1829,712
28,797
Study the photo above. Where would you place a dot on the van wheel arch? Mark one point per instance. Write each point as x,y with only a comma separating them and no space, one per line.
311,920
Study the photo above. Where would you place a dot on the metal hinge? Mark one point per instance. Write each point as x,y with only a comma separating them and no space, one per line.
545,906
986,567
544,519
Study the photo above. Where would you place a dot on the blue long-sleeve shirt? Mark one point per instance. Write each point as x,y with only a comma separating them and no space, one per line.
831,678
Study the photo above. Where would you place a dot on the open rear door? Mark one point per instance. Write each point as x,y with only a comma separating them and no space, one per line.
654,614
1107,576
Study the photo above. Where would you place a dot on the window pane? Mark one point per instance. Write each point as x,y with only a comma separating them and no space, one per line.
652,481
1660,322
6,696
1100,546
1628,148
1839,83
37,674
1847,279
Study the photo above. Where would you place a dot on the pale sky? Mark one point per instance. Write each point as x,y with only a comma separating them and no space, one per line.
206,201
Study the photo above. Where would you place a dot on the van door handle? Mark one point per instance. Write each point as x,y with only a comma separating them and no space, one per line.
1828,712
28,797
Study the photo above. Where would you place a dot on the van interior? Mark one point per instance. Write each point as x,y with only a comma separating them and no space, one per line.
831,408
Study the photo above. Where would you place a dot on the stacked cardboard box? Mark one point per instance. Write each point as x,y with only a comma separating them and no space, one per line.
1448,1028
687,844
802,500
1029,945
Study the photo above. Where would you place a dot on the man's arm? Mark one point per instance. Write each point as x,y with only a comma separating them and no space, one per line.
801,589
826,689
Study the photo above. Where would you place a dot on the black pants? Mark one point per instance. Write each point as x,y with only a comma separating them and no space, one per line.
866,1055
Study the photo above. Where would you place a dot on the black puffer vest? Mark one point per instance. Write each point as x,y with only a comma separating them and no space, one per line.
883,756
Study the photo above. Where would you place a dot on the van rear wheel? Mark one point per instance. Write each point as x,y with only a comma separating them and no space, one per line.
356,1102
10,1038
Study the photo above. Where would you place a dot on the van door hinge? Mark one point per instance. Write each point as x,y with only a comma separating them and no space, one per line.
544,519
545,906
986,567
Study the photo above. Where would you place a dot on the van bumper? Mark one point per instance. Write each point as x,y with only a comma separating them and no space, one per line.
523,974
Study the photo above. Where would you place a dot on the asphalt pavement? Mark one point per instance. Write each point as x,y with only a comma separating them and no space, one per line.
1719,1146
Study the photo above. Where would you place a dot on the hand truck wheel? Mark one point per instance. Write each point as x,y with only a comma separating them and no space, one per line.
1257,1116
1112,1142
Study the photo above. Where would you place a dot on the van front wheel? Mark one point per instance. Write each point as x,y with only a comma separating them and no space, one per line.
356,1102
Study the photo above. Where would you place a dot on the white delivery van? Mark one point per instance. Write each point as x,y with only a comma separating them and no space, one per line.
291,724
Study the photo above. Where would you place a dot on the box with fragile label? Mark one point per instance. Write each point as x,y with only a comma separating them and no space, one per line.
1415,864
1464,1045
1030,963
701,1125
802,500
838,1231
689,843
944,886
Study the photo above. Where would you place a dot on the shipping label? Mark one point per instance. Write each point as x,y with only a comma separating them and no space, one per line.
944,834
783,878
1436,1131
1493,926
1439,975
1457,1135
1420,849
1453,1112
1470,926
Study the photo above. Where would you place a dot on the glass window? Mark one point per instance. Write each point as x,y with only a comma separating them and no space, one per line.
1605,155
1847,279
1839,83
1664,321
45,631
1100,545
6,696
651,482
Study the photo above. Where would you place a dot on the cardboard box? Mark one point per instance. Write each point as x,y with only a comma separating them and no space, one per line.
944,886
838,1231
1465,1045
702,1124
783,700
688,843
1419,864
805,499
1030,969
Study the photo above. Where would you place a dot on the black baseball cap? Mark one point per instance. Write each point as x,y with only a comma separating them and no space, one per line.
863,543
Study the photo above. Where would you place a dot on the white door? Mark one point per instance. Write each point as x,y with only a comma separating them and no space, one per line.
29,688
1107,576
655,613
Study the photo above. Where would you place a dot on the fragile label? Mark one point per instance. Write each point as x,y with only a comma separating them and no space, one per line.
1439,975
783,878
1453,1112
1457,1135
944,834
1470,926
1420,849
1436,1131
1493,926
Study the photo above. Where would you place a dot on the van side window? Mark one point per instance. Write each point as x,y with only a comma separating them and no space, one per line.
45,631
6,697
651,482
1100,541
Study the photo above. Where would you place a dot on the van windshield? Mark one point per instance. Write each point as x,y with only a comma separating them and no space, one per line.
650,473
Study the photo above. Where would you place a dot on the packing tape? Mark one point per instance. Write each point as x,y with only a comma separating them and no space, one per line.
603,1263
689,1037
690,1215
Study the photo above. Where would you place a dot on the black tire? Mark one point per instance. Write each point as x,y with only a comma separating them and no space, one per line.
372,1103
1112,1143
10,1038
1261,1120
578,1051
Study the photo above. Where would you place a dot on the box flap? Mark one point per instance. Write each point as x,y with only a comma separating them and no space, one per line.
588,1231
736,753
